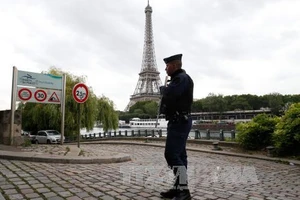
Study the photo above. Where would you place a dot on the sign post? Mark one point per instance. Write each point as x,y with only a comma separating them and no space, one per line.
80,94
37,88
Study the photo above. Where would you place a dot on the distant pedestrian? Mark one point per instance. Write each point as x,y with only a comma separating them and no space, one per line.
177,99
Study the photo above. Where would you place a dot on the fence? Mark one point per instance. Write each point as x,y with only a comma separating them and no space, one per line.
194,134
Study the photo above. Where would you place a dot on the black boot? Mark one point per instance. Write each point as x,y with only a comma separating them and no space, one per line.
183,195
169,194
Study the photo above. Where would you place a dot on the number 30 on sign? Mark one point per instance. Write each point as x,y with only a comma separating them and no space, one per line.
80,93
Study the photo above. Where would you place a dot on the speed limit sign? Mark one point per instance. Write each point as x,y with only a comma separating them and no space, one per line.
80,93
40,95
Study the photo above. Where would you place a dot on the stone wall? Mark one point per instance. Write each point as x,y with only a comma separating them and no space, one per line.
5,128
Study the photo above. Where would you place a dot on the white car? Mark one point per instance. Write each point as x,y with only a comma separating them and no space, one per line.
48,137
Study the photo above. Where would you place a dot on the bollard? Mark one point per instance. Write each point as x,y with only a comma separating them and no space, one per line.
132,133
160,133
90,136
152,133
104,134
120,133
99,134
197,134
109,133
94,135
146,135
216,146
115,133
208,134
221,135
232,134
139,133
125,133
270,151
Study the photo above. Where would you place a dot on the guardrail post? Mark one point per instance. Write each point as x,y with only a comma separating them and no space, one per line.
232,134
221,135
208,134
132,133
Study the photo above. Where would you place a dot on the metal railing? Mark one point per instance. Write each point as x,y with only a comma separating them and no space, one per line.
195,134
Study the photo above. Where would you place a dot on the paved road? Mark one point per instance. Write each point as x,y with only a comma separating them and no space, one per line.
211,177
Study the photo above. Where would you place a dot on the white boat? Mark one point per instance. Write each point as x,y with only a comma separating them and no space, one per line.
148,123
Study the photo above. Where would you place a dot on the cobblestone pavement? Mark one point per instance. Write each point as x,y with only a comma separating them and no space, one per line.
211,176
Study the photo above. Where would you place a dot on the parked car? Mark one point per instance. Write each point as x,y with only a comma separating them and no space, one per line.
30,135
48,137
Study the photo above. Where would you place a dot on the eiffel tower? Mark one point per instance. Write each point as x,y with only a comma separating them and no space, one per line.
149,81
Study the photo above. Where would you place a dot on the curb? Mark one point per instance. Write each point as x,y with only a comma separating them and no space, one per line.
274,159
25,156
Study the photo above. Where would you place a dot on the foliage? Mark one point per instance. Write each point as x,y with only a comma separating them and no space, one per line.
276,102
148,108
27,143
257,133
287,135
106,114
48,116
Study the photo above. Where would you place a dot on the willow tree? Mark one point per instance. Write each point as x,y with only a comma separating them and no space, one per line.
106,114
48,116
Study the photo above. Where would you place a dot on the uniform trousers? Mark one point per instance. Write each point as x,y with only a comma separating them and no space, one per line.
175,150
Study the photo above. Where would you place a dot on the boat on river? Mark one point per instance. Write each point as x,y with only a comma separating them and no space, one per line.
148,123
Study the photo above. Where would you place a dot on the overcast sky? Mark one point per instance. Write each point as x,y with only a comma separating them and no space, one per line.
229,46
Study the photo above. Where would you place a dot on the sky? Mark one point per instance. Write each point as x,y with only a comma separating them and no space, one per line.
229,46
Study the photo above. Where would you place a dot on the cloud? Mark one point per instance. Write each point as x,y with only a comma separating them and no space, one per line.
229,47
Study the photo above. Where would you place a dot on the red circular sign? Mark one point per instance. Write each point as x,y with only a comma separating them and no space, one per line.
80,93
24,94
40,95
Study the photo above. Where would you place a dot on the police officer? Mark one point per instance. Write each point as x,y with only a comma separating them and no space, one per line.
176,102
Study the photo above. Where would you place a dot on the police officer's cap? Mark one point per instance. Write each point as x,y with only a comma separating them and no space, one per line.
172,58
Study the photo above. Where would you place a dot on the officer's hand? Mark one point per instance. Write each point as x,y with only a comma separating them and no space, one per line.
162,89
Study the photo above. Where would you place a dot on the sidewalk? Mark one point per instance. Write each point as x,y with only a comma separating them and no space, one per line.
67,153
70,153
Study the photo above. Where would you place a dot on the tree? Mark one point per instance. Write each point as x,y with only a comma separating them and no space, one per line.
215,103
106,114
197,106
275,103
240,103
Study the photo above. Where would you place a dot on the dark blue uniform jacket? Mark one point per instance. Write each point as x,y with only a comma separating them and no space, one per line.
177,97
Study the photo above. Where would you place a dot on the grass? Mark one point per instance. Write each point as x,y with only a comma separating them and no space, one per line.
67,150
81,153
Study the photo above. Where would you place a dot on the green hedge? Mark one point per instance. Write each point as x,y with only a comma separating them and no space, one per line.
286,138
256,134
